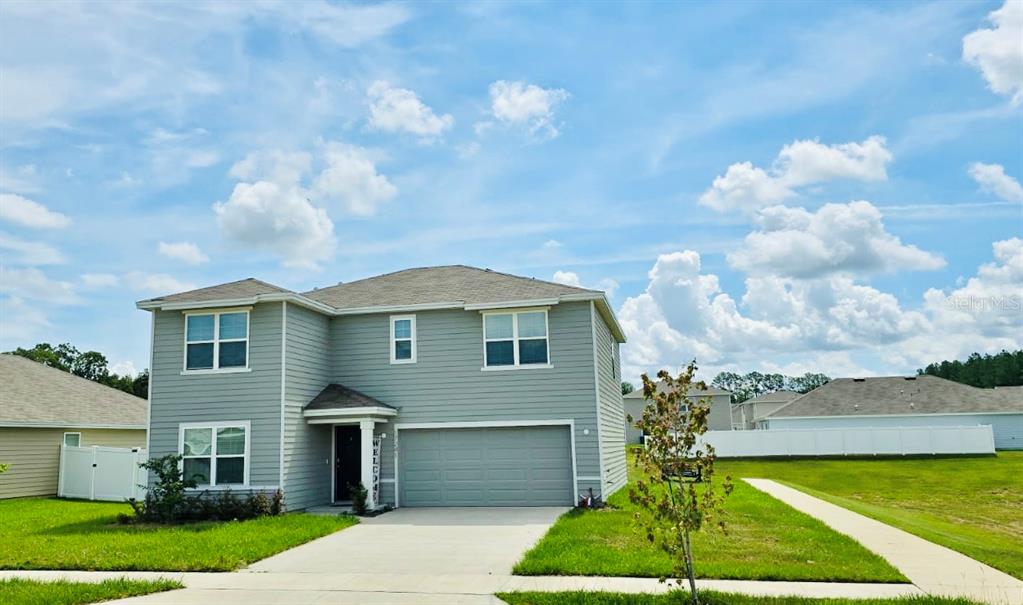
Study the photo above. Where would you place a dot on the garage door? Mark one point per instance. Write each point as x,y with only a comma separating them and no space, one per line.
520,466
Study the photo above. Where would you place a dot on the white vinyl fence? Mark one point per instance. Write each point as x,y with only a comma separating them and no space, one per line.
101,473
873,441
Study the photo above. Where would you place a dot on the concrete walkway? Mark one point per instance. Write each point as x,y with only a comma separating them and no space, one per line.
935,569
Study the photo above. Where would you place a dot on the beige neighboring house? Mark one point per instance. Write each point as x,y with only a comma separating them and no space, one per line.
746,414
42,407
720,414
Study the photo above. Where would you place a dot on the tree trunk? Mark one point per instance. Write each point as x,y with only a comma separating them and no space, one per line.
694,597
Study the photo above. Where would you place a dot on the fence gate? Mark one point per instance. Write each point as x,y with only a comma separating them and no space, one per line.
101,473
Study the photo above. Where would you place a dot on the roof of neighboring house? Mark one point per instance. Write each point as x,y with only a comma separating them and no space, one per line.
693,392
782,396
339,396
426,285
900,395
451,286
243,288
34,394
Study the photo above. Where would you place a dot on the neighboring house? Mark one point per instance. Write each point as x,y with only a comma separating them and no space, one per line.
718,420
746,414
897,401
438,386
42,407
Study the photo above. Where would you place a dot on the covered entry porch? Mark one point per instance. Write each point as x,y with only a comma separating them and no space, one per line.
355,448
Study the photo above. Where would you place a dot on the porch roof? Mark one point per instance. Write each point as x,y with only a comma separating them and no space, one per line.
338,403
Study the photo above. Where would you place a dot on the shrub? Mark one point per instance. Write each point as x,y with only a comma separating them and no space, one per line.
359,497
167,500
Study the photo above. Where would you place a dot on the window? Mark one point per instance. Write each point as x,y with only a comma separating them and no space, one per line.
217,341
215,454
515,339
73,439
403,339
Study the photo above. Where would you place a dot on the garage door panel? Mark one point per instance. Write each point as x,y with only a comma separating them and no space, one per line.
516,466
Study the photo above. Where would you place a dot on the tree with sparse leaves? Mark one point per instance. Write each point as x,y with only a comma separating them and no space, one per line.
678,488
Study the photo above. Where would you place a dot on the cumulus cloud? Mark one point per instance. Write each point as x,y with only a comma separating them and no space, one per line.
266,216
569,278
20,320
187,252
350,179
523,104
99,280
34,285
400,110
23,252
746,187
27,213
998,52
156,283
837,238
992,179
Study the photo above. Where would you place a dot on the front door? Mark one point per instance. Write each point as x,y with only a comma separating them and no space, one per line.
347,461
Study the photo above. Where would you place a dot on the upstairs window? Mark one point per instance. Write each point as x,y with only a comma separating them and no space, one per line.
215,454
515,339
217,341
73,439
403,339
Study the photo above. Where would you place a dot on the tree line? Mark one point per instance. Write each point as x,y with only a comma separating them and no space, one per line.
754,384
91,365
1003,369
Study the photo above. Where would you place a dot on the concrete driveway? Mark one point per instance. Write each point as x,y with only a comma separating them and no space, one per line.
422,541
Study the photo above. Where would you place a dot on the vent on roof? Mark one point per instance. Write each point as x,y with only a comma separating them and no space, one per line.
859,379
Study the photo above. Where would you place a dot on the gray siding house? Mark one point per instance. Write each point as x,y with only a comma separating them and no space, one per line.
439,386
719,401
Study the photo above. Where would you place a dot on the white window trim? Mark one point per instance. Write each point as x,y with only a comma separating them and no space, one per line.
413,339
213,426
64,438
515,339
216,369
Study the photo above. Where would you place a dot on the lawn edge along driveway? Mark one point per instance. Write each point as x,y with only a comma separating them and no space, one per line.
46,533
706,598
17,591
766,540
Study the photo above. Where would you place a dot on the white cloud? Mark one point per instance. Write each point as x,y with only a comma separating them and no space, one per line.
22,180
523,104
156,283
347,25
29,253
998,52
124,368
569,278
992,179
173,154
837,238
746,187
552,244
266,216
281,167
99,280
186,252
21,321
350,179
400,110
28,213
32,284
125,181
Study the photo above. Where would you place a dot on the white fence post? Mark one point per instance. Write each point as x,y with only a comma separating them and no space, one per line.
81,469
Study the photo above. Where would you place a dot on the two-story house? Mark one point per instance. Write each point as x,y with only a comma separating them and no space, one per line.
438,386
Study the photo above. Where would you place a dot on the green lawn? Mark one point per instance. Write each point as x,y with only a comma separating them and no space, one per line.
706,598
766,540
972,505
60,534
29,592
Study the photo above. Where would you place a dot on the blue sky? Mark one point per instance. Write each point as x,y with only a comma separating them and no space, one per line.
785,187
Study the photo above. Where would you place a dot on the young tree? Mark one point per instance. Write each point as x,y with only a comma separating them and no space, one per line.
677,489
627,388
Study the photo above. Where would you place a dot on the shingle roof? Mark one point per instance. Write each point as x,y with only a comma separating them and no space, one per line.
900,395
774,397
638,393
426,285
34,394
339,396
242,288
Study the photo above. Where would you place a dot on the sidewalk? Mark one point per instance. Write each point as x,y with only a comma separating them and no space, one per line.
934,569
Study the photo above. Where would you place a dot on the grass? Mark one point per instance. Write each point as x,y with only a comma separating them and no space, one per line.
706,598
766,540
60,534
16,591
971,505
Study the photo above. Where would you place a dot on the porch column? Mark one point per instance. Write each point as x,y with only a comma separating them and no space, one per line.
367,460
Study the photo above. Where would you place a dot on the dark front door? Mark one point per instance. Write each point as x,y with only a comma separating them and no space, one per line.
347,461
